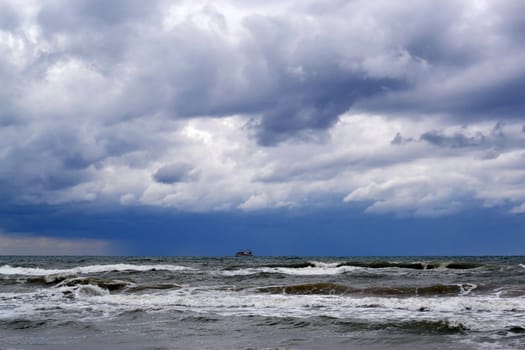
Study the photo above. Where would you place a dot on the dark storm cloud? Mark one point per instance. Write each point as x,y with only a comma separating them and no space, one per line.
316,105
311,86
298,73
191,72
92,85
176,172
474,68
32,171
37,161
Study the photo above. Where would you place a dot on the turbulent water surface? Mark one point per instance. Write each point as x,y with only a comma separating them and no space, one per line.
262,303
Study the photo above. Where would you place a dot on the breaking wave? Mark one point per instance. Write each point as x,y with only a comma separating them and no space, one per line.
56,275
411,265
335,268
401,308
393,296
98,286
110,285
308,269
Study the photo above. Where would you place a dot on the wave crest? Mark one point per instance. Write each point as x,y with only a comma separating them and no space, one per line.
59,273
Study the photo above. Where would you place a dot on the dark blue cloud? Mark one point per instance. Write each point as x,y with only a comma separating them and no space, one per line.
495,139
176,172
297,73
316,105
457,140
400,140
91,88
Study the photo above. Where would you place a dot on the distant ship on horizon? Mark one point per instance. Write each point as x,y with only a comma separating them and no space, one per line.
246,252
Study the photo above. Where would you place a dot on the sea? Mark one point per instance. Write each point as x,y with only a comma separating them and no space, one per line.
253,303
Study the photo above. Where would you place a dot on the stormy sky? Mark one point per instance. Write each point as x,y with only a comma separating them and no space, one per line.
207,116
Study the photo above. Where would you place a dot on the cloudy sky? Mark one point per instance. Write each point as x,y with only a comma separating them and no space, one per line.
292,127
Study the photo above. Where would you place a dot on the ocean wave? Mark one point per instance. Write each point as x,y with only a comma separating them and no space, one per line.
416,326
90,302
23,324
387,264
337,289
310,270
474,312
300,265
84,290
462,265
54,275
26,324
430,326
411,265
510,292
94,286
148,287
335,268
110,285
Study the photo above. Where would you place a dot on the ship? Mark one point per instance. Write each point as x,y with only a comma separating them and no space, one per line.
246,252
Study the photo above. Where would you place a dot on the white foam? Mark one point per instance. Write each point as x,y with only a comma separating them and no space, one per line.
89,290
479,313
36,271
318,270
466,288
325,264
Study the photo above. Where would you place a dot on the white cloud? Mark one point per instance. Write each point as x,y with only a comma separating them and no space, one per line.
355,161
258,201
236,105
519,209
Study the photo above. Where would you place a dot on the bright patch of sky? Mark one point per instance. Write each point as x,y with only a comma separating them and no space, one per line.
23,244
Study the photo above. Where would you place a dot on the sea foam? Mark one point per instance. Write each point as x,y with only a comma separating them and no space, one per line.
35,271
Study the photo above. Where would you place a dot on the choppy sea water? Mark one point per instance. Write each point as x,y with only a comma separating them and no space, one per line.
262,303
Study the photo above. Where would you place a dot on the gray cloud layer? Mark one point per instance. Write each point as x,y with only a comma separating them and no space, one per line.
93,86
176,172
298,69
